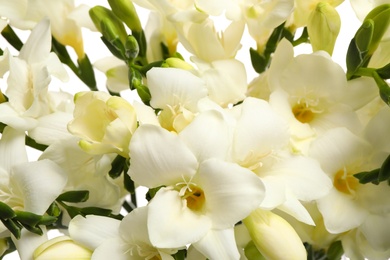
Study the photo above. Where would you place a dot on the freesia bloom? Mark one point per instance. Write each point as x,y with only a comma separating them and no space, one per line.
26,186
104,122
204,196
28,81
111,238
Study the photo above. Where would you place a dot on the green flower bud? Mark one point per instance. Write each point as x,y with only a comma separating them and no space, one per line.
125,10
131,47
108,24
381,19
323,27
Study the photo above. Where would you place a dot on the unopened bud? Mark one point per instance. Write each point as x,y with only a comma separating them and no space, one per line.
177,63
273,236
125,10
323,27
131,47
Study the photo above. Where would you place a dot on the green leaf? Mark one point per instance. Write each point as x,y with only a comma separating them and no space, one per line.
6,211
74,196
117,53
335,251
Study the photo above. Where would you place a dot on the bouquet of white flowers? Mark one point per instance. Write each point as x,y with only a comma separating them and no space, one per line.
291,164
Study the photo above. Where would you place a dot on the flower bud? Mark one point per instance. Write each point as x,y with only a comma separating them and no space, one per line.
105,123
323,27
380,16
177,63
125,11
131,47
273,236
108,24
62,247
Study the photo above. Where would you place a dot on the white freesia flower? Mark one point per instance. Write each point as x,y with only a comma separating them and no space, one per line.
87,172
351,205
104,122
26,186
260,144
116,72
309,91
204,196
65,18
177,93
110,238
28,80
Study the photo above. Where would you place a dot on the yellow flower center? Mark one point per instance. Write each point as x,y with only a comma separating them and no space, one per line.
305,109
192,193
345,183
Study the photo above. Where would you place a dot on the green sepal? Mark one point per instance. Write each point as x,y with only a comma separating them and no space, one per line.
141,39
152,192
47,220
6,211
252,253
384,172
74,196
384,72
368,177
384,88
144,94
128,183
135,78
33,229
380,16
54,210
180,255
95,211
13,226
87,74
117,166
116,52
259,62
9,34
27,218
357,54
335,251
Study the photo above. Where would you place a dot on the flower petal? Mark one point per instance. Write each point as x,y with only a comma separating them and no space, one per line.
113,248
340,212
91,231
171,86
40,183
171,224
159,157
12,148
231,191
28,242
218,244
213,130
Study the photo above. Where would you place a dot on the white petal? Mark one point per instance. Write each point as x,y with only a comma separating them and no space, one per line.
56,68
145,114
91,231
259,135
81,17
218,244
113,248
37,46
376,229
171,224
275,192
28,242
13,9
337,149
294,207
170,86
214,133
136,223
341,212
12,148
159,157
231,191
40,183
51,128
